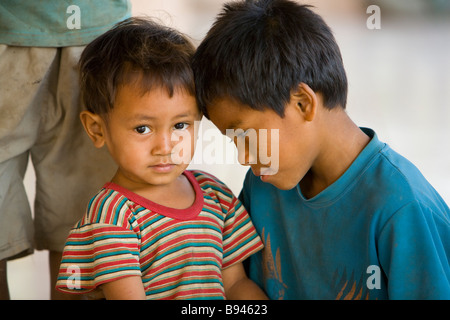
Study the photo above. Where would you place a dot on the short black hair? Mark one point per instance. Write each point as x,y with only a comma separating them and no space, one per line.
137,51
258,51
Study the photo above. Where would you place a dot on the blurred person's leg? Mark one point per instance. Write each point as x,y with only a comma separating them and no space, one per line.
23,76
4,291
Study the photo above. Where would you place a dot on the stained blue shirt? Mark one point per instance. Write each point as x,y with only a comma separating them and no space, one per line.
58,23
381,231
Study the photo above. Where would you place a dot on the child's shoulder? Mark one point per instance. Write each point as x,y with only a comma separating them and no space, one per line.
106,206
107,195
208,181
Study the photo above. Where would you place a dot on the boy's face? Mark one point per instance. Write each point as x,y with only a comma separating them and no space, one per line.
293,145
151,137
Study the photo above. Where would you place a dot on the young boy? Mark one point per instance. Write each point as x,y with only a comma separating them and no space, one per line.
156,231
344,216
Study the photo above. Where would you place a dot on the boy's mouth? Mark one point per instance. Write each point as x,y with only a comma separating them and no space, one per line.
264,172
163,167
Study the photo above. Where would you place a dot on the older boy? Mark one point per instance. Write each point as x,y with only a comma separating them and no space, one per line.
157,230
344,216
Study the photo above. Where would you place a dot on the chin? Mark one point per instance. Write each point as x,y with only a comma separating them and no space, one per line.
285,186
279,182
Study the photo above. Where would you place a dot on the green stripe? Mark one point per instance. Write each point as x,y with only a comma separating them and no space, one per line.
181,266
99,238
99,274
97,257
176,229
103,204
237,248
184,282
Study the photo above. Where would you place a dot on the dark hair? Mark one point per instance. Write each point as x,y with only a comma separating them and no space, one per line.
258,51
136,52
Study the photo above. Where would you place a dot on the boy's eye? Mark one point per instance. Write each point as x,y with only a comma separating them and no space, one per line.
142,129
181,126
234,137
243,134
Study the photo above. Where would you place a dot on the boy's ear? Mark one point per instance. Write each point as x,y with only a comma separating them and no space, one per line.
306,101
94,126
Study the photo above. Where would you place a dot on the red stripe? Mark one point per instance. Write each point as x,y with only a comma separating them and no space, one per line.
242,255
196,293
98,267
200,274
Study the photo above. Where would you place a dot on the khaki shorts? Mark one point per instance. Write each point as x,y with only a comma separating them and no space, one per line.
39,117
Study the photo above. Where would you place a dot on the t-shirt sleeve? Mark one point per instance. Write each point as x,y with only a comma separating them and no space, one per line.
414,251
240,239
95,254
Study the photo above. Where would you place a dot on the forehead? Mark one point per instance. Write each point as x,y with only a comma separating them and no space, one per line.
156,101
230,114
227,114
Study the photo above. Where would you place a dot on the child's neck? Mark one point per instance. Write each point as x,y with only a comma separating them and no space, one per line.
341,143
179,194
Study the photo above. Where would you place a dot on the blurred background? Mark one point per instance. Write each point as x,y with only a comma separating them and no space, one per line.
399,85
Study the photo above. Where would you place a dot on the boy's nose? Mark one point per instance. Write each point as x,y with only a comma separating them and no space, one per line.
163,144
245,156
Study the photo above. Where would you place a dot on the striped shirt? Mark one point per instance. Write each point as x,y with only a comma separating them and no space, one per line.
178,253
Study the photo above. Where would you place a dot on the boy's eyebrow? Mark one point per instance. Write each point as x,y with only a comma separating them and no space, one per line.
235,124
141,117
183,115
145,117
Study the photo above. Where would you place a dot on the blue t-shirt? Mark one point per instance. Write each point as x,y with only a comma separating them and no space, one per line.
379,232
58,23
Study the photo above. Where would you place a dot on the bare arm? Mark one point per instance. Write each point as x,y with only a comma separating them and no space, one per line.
238,286
129,288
